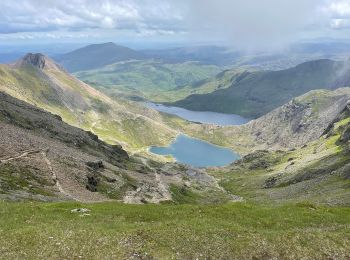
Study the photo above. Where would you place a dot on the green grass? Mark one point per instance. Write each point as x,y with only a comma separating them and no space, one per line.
231,231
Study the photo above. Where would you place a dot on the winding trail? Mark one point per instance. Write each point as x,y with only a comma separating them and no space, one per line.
48,163
24,154
54,176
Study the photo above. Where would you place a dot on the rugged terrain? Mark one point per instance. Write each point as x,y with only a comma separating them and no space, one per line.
291,187
318,171
43,158
301,120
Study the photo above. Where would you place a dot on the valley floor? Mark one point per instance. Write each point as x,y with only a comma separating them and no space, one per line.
117,231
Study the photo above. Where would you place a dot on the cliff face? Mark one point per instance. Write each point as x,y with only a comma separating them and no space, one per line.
300,121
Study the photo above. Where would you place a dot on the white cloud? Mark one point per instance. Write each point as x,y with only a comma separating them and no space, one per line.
339,9
40,15
247,23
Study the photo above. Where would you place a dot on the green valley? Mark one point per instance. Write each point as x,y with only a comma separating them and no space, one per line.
150,79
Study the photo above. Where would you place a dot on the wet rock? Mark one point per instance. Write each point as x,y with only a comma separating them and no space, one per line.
93,181
271,181
95,165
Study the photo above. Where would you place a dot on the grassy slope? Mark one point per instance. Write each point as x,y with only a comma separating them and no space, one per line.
84,107
235,231
150,79
257,93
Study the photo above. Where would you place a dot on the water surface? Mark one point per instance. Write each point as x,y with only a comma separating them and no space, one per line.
196,152
201,116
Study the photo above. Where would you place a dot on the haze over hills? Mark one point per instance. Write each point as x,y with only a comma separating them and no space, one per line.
255,93
167,75
97,55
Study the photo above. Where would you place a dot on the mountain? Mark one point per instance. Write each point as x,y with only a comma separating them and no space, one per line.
256,93
39,81
96,55
43,158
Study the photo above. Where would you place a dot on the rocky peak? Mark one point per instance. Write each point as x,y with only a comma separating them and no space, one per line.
39,61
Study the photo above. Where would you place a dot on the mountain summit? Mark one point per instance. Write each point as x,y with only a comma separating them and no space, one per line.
38,60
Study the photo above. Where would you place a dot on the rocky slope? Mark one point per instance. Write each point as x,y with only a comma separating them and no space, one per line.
319,171
43,158
301,120
257,93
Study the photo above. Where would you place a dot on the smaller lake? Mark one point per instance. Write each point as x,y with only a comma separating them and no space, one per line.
197,153
201,116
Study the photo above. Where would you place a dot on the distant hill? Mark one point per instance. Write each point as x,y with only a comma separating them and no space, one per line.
254,94
96,55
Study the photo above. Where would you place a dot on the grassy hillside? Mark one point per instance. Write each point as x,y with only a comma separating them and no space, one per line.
54,90
150,79
256,93
232,231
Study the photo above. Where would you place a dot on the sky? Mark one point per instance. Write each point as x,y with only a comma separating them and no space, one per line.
250,24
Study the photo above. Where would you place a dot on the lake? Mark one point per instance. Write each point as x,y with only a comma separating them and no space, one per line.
196,152
201,116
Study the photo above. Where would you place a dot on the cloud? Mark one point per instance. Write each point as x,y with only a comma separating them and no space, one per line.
338,13
43,15
249,24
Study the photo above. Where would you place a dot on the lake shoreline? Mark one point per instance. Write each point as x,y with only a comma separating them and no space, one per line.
200,117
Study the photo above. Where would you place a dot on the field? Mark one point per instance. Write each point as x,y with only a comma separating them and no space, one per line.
34,230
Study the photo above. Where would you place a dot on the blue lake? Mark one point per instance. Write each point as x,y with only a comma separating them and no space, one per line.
201,116
197,153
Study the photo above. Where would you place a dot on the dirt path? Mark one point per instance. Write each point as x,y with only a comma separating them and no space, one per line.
162,187
54,176
49,165
24,154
